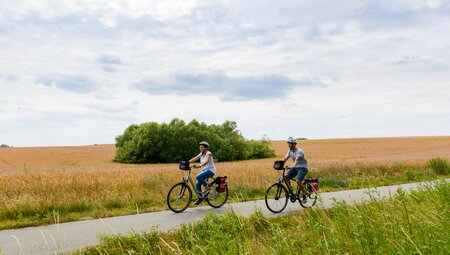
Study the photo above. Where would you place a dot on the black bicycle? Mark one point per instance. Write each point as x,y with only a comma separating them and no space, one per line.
180,195
278,194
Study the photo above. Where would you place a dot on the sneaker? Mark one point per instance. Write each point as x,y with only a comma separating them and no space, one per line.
199,201
304,200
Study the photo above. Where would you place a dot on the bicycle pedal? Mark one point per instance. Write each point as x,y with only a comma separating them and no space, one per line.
205,194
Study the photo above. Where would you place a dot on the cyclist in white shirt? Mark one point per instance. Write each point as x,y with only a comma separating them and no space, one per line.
208,169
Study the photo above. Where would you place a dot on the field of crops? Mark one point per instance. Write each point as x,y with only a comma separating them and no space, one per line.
99,157
49,184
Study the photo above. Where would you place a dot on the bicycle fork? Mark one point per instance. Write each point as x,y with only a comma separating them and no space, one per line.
183,189
279,190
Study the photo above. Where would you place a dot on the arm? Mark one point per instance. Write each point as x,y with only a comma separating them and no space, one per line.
196,158
286,157
207,159
296,160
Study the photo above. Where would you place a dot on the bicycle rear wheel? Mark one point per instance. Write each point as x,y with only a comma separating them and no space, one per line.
311,196
216,199
179,197
276,198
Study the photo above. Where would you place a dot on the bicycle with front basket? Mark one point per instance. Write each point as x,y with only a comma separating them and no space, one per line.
180,195
278,194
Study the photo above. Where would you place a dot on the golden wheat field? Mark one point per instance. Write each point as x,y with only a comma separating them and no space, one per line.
83,179
99,157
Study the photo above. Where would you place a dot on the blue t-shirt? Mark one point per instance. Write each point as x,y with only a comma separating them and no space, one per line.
298,153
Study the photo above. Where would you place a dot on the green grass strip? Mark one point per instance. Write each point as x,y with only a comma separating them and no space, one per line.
409,223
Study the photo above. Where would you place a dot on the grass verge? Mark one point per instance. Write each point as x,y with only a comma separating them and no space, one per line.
409,223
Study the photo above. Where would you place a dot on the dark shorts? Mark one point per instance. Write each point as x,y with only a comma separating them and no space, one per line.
298,172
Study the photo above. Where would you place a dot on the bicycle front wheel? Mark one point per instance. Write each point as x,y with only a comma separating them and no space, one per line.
276,198
216,199
179,197
311,196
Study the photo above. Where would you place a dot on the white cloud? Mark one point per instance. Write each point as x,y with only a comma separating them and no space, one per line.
70,68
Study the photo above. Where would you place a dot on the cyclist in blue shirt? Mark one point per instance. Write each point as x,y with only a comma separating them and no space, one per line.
300,166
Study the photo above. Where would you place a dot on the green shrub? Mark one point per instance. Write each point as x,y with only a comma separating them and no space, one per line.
439,165
172,142
259,149
4,146
411,175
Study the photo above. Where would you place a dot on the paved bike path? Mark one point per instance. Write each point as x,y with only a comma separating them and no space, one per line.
70,236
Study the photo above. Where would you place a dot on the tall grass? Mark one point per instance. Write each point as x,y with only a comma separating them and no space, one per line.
416,223
439,165
35,198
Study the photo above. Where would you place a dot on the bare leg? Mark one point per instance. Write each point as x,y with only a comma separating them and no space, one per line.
287,180
301,186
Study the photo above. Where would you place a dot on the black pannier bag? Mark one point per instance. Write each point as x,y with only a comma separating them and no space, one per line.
184,165
278,165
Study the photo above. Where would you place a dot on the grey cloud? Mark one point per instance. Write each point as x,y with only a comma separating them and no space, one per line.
74,83
107,59
379,15
85,25
216,22
110,63
405,61
10,77
227,87
109,68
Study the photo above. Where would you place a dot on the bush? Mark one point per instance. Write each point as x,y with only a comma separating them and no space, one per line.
4,146
259,149
439,165
152,142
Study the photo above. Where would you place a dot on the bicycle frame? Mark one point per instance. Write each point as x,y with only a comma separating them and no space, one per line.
180,195
188,180
282,180
280,192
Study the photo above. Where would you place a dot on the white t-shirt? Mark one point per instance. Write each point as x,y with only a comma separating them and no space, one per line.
210,165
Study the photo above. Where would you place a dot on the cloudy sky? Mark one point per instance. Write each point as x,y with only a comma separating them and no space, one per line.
79,72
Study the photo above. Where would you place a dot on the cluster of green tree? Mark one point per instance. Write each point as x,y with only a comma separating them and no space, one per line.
172,142
4,146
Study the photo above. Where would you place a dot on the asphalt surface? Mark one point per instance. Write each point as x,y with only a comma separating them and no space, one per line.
70,236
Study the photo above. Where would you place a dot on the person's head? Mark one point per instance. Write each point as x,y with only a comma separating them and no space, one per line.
203,146
291,143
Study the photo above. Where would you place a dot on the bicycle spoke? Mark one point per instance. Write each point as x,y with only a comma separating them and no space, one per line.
311,197
276,198
216,199
179,197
